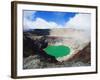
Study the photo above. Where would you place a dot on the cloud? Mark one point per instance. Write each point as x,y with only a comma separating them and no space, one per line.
27,24
80,21
37,23
29,15
40,23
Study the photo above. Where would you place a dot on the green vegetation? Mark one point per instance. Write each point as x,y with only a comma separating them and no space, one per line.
57,51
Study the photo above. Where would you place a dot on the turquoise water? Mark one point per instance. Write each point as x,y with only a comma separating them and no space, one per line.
57,51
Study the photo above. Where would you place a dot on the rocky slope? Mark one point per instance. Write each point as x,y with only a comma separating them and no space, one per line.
35,41
81,59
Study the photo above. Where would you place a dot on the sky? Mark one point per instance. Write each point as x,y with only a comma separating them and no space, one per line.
51,19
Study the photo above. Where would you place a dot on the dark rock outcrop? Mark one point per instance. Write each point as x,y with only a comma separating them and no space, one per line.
31,47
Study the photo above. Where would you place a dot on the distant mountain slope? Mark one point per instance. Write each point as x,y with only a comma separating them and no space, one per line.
38,32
